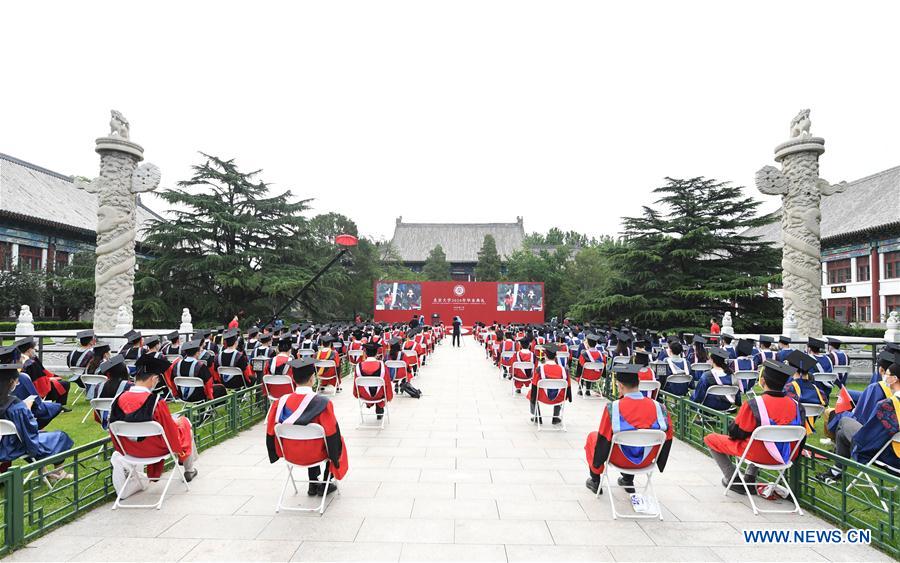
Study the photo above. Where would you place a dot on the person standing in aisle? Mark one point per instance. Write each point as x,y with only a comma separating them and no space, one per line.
457,330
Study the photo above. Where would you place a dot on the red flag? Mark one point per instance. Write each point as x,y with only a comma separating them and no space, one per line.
844,401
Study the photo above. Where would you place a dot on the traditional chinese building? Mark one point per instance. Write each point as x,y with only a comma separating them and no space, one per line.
45,219
412,242
860,249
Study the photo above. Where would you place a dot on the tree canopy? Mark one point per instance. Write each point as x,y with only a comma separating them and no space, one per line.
436,266
488,266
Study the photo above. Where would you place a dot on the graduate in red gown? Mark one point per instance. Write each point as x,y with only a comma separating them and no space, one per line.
139,404
372,366
633,411
523,355
303,407
770,408
590,354
49,386
556,397
329,376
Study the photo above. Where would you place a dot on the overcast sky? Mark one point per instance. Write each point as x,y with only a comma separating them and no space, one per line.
567,113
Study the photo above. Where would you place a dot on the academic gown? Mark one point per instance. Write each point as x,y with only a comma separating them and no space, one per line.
781,410
716,402
43,411
49,386
866,402
111,389
31,442
375,368
279,365
306,407
138,404
518,373
806,392
234,358
824,366
589,355
553,396
329,376
191,367
876,431
680,366
631,412
764,354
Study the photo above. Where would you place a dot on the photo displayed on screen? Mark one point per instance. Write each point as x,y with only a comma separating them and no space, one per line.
398,296
520,297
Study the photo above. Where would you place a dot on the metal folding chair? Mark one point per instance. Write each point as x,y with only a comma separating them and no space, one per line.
641,438
548,385
310,432
747,381
134,431
89,382
521,366
275,379
769,434
328,364
370,382
591,366
874,462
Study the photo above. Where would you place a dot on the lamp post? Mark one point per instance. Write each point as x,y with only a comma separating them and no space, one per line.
346,242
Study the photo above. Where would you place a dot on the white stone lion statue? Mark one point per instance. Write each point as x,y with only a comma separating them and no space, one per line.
800,124
118,125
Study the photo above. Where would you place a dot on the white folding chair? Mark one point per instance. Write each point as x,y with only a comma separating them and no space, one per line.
562,358
370,382
71,374
873,462
813,410
101,406
727,392
355,356
747,379
7,428
701,367
275,379
91,381
650,387
521,366
679,378
227,373
591,366
826,378
505,356
842,373
640,438
172,357
396,365
621,360
545,385
770,434
188,383
309,432
134,431
328,364
305,353
412,354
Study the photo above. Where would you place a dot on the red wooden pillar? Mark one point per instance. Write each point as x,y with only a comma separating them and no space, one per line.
876,286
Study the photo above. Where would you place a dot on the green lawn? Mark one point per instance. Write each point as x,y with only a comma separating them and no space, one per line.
70,423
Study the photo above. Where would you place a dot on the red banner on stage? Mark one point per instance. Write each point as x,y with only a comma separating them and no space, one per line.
505,302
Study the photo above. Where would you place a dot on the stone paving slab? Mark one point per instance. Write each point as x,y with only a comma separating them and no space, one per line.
460,474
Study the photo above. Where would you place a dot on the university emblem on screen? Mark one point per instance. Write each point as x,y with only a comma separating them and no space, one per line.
459,290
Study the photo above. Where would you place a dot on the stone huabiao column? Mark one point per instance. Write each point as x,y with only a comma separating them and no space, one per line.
801,189
120,180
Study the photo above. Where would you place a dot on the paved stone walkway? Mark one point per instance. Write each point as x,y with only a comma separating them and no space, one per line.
460,474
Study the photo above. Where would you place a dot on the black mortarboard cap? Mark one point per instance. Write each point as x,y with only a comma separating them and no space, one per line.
110,364
802,361
833,341
151,340
134,336
785,339
763,338
7,354
372,348
776,374
815,343
253,331
101,348
744,347
24,343
173,336
265,337
189,348
720,353
9,372
84,334
627,374
698,339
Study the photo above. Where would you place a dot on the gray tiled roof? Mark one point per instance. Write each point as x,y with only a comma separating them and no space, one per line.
32,192
461,241
867,203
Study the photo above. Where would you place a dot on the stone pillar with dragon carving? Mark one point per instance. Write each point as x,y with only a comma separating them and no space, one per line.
801,190
121,179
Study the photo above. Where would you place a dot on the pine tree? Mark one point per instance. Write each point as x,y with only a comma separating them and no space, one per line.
488,267
436,266
229,246
686,261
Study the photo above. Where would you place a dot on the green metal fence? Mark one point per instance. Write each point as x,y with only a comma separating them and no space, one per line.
858,507
31,508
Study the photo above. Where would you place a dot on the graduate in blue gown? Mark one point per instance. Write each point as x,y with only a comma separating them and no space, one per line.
675,364
43,411
865,400
764,351
823,362
720,374
784,349
801,388
30,443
